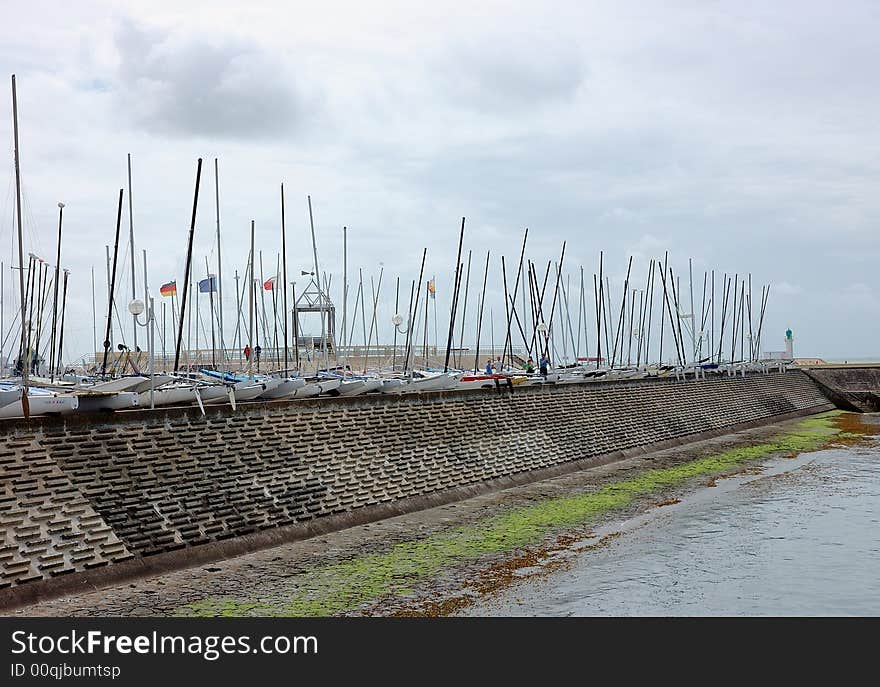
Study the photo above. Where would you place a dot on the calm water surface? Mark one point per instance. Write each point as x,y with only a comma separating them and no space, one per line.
801,538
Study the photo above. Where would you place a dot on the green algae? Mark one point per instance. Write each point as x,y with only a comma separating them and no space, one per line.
344,586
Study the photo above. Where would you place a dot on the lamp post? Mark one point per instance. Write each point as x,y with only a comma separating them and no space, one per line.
397,320
136,308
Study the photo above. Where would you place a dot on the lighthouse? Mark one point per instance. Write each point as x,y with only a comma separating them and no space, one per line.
789,345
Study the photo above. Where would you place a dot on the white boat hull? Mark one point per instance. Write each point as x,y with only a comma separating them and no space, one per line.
216,394
175,395
117,401
41,405
248,391
329,385
285,389
9,396
121,384
310,390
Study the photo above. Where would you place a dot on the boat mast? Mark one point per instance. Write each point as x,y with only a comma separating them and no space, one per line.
94,316
480,314
2,320
510,311
345,296
396,310
112,285
61,328
55,298
467,282
318,284
284,279
211,309
25,355
250,358
455,281
219,260
192,229
132,254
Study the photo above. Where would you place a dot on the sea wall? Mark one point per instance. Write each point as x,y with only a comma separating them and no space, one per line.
850,387
86,501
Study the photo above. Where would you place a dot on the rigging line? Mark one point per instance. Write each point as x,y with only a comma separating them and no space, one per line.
30,223
119,319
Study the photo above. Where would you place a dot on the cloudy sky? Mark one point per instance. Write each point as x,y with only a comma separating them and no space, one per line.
742,135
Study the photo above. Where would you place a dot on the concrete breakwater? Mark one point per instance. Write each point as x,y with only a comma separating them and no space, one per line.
87,501
850,387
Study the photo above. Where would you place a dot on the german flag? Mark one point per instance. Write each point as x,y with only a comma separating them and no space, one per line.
169,289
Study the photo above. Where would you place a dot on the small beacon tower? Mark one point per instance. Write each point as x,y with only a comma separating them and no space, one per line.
789,345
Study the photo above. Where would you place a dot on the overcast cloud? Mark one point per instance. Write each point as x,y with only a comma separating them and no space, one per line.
742,135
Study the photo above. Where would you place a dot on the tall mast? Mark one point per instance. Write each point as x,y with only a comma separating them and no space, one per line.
345,293
454,307
510,311
396,311
112,285
211,312
94,316
480,315
467,282
192,229
61,328
2,319
25,354
284,277
693,319
250,367
132,254
55,297
318,284
219,260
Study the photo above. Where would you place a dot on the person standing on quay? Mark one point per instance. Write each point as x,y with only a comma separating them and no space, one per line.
544,364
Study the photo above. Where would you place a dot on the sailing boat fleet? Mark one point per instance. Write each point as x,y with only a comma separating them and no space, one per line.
543,320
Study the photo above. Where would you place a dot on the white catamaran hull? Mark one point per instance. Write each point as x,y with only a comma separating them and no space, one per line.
216,394
248,391
329,385
285,388
41,405
310,390
174,395
8,396
117,401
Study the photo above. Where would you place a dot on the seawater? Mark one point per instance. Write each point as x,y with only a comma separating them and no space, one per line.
800,538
